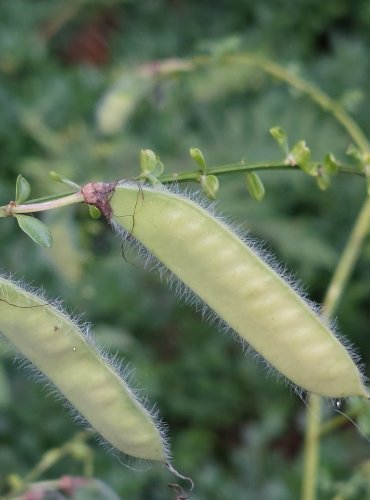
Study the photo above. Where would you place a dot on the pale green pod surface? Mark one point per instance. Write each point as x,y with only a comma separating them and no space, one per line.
239,287
67,356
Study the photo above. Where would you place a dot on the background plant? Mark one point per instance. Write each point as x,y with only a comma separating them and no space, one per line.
242,436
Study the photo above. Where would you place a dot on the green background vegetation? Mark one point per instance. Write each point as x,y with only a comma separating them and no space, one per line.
72,100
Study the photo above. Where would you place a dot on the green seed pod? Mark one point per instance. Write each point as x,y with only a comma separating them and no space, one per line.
91,382
238,285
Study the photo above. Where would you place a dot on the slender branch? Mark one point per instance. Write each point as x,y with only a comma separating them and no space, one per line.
232,168
51,197
348,260
13,208
316,94
69,198
311,448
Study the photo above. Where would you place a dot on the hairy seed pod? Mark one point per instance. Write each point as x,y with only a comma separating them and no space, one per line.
67,355
239,286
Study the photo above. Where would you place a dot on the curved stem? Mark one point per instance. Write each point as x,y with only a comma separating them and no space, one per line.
316,94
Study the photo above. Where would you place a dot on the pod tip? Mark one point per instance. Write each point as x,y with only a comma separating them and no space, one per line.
179,490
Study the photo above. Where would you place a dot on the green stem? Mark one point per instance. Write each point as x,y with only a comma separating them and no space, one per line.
316,94
193,175
311,448
13,209
51,197
64,199
348,260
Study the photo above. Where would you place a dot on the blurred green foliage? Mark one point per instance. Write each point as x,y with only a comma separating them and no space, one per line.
72,100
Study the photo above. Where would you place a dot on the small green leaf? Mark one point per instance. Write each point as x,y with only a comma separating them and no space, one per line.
300,154
59,178
210,185
310,168
281,138
323,181
151,166
158,169
197,155
330,165
354,152
35,229
55,176
278,134
94,212
255,186
148,161
22,190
